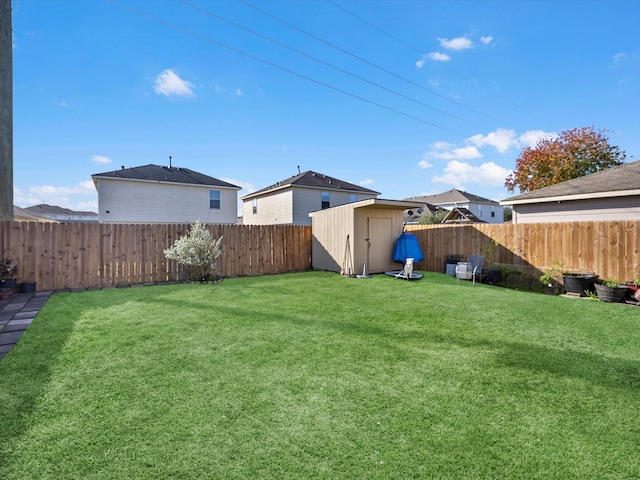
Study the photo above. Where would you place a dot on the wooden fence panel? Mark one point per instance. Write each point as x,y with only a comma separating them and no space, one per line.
83,255
608,249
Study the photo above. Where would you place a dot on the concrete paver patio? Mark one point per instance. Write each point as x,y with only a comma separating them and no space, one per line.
16,314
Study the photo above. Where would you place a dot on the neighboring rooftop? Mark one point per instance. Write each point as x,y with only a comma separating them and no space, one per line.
623,180
312,179
451,197
461,215
158,173
48,211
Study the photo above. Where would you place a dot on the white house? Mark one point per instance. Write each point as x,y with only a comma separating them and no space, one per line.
157,194
60,214
484,209
290,201
608,195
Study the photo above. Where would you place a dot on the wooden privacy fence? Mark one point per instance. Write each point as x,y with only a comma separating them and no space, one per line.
608,249
89,255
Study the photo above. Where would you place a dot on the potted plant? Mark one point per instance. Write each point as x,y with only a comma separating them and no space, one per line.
8,269
579,283
609,290
551,279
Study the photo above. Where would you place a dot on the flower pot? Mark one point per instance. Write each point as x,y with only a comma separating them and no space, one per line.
9,283
611,294
579,283
27,287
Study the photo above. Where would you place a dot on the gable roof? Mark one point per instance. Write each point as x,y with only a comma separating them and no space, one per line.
43,210
310,179
461,215
24,215
452,196
157,173
620,181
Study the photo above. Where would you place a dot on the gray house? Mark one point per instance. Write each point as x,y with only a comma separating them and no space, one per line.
483,209
156,194
608,195
291,200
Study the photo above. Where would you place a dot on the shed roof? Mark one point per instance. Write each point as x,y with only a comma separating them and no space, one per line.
158,173
312,179
620,181
380,203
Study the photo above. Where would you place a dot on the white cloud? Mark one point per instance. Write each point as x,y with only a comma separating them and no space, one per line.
530,138
62,103
368,181
219,89
99,159
486,40
501,139
434,57
425,164
239,92
65,197
461,153
457,173
168,84
459,43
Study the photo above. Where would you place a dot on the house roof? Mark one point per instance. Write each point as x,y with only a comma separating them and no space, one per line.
461,215
157,173
620,181
312,179
24,215
452,196
43,210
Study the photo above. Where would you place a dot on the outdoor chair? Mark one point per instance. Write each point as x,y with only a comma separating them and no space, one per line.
471,269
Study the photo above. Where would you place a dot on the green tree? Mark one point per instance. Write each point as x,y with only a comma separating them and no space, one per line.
572,154
431,218
197,252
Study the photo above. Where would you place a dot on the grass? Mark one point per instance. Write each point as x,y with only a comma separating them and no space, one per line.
314,375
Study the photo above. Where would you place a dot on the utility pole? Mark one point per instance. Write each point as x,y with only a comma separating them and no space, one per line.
6,112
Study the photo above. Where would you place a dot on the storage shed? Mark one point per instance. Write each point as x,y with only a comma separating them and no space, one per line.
347,237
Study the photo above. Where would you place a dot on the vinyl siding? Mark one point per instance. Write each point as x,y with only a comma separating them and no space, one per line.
273,209
306,200
611,209
152,202
292,205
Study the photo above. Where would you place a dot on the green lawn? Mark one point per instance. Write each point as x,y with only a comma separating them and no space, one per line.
314,375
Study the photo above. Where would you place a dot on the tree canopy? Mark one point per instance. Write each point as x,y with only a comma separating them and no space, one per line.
572,154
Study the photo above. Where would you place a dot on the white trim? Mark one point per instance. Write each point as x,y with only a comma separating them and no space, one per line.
580,196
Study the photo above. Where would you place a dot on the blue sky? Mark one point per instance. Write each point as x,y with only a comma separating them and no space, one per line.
404,97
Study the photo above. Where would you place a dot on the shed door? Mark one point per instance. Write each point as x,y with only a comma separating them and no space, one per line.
380,249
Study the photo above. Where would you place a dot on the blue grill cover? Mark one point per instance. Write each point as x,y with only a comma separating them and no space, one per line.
407,247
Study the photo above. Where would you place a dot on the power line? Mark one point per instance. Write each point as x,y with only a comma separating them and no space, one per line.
279,67
364,60
416,49
315,59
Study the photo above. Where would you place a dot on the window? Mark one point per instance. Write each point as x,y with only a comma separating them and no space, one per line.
353,197
493,211
255,206
479,210
326,200
214,199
